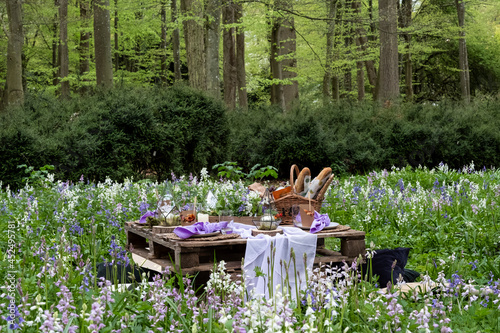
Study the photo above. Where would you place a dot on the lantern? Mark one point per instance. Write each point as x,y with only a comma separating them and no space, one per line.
271,218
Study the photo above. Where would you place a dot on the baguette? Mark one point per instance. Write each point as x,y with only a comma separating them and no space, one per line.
299,183
318,182
324,174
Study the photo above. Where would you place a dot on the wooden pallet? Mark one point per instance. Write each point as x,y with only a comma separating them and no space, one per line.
191,257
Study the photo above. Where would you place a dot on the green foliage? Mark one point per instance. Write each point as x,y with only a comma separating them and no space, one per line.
232,171
357,137
152,132
139,53
229,170
262,172
38,177
117,134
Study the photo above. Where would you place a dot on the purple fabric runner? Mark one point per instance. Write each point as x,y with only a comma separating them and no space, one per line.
320,221
199,228
145,216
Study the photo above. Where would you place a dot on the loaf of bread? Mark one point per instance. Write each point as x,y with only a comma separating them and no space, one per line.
318,182
299,183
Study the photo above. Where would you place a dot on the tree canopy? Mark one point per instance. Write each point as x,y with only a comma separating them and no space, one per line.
330,49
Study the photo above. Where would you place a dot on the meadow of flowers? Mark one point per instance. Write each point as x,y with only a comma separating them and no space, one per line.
54,233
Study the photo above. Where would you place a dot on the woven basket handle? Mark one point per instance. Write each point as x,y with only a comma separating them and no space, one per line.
297,171
321,194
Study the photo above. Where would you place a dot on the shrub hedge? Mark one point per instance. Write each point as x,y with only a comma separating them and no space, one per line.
140,132
116,134
354,137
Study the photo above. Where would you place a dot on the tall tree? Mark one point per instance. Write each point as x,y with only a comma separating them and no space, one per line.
102,44
84,45
362,43
63,48
163,43
55,47
331,6
194,36
388,76
14,83
240,58
360,74
229,55
348,54
283,62
463,62
406,11
176,44
116,51
213,9
233,48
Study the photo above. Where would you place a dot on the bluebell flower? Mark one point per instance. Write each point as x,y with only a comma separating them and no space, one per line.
143,207
485,301
401,185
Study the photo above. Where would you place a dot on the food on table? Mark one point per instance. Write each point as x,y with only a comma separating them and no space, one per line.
299,184
318,182
309,212
188,218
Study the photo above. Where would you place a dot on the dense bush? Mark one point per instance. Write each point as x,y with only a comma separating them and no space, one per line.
133,132
116,134
358,137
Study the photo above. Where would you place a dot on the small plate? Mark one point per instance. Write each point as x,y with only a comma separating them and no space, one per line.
206,235
331,226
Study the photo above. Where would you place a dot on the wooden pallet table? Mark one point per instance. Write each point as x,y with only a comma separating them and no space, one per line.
192,256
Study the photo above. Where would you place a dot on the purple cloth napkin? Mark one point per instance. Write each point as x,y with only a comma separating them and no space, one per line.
145,216
199,228
320,221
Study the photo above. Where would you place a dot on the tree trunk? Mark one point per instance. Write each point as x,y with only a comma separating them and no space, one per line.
337,39
176,44
388,79
362,43
277,97
283,46
163,44
348,47
289,64
372,21
212,46
84,46
194,35
335,88
63,48
408,70
463,64
327,78
229,54
240,58
55,48
102,44
14,83
360,77
117,54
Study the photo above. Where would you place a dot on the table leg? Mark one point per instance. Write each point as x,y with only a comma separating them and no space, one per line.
352,247
186,259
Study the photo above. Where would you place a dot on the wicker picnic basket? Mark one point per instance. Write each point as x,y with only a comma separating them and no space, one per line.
284,203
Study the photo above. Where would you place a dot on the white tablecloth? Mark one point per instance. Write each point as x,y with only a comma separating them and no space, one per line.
258,250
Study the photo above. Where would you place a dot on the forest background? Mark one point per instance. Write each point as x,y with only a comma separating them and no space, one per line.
348,83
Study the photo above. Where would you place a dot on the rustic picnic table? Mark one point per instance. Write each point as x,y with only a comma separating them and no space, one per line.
195,255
